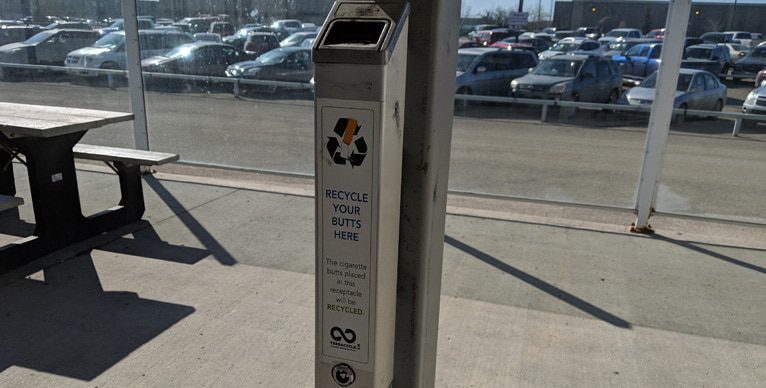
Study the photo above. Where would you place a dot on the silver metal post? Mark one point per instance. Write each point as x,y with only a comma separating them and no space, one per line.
544,114
662,111
135,78
425,171
737,126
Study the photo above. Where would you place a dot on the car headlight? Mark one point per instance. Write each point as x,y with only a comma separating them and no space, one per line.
514,84
559,88
750,100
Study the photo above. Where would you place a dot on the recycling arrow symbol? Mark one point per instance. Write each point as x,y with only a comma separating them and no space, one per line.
347,147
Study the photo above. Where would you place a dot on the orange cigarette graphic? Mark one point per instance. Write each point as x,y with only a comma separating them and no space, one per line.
351,128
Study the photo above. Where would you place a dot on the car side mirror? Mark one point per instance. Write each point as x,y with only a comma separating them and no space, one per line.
481,69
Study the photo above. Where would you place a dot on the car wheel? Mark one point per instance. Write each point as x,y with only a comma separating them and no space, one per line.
613,97
718,108
681,118
6,74
461,103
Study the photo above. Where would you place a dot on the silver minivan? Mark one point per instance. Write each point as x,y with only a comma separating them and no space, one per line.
109,51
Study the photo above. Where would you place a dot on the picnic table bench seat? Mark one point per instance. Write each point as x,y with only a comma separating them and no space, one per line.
123,155
10,202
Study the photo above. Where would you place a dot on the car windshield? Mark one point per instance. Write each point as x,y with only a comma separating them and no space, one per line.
728,37
110,41
271,58
618,34
118,25
180,51
39,37
464,61
759,52
683,82
635,51
698,53
565,47
558,68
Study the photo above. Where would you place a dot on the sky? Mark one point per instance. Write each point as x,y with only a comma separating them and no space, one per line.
478,6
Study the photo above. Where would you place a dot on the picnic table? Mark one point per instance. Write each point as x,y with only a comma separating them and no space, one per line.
44,139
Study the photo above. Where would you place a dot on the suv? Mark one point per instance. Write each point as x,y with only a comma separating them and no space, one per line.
751,64
286,27
621,34
13,34
49,47
489,71
572,45
109,51
714,58
221,28
584,78
746,38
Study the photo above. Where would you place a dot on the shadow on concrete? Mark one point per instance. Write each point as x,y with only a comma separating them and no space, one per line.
208,240
707,252
540,284
147,243
12,224
69,326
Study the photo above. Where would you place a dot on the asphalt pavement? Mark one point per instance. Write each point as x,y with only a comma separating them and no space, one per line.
497,149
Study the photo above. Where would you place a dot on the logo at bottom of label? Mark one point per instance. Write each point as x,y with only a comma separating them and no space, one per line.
343,375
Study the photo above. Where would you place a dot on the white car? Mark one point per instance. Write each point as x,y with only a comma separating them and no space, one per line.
746,38
620,34
109,51
572,45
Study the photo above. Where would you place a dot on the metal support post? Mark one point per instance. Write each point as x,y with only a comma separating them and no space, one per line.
737,126
425,171
662,111
135,78
544,114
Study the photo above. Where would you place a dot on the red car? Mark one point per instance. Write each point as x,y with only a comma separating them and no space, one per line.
488,37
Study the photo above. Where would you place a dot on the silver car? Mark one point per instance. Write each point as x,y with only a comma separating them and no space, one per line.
696,89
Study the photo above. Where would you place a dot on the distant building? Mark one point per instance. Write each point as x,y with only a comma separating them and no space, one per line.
651,14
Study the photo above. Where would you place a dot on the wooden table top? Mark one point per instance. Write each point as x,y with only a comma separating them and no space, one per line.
49,121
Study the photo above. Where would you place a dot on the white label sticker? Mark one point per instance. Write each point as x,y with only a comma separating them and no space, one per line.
348,137
57,177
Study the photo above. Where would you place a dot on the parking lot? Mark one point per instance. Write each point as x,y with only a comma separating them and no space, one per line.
498,149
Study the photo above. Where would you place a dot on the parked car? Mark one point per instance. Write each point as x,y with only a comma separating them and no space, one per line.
474,34
621,47
286,27
260,42
746,38
715,37
49,47
558,35
239,38
109,51
751,64
164,22
488,37
510,44
737,51
221,28
570,45
119,25
297,39
183,27
640,61
592,33
658,33
287,64
760,79
489,71
710,57
538,44
198,24
696,89
621,34
198,58
15,33
69,25
207,37
755,103
586,78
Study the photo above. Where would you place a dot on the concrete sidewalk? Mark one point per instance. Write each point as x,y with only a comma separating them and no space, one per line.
217,290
